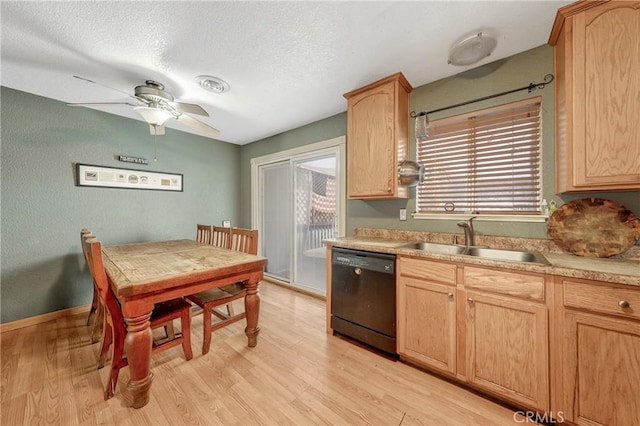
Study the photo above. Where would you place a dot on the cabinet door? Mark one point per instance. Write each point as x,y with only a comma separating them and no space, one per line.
602,370
427,323
371,151
606,61
507,348
610,82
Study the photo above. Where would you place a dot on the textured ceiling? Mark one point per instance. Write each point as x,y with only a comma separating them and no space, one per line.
288,63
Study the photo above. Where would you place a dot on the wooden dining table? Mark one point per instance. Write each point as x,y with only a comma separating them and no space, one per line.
143,274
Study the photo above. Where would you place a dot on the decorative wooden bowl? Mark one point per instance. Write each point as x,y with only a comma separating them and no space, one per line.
594,227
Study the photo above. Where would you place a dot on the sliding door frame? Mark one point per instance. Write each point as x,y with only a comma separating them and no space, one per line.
335,146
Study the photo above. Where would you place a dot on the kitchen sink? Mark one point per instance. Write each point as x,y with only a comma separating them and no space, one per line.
509,255
437,248
479,251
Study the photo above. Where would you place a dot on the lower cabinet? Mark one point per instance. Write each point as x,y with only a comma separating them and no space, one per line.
600,342
507,348
495,338
427,313
567,348
507,334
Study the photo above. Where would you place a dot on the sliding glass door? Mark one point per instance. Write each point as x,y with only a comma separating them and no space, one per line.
297,198
316,218
275,229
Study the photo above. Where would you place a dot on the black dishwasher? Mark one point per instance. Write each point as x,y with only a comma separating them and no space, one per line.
363,297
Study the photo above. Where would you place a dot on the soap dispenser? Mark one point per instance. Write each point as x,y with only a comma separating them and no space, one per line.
544,208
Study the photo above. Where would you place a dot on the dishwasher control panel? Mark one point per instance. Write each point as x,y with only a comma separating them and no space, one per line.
364,260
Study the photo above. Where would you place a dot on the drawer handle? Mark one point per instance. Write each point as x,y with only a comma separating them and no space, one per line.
450,295
358,271
624,304
470,300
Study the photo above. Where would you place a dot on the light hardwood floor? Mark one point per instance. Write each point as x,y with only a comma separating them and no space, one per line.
297,375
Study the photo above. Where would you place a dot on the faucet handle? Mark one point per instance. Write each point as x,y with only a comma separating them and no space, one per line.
467,223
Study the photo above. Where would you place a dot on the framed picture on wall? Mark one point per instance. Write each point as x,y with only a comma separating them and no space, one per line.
112,177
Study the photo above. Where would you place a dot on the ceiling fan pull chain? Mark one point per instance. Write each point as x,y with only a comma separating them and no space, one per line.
155,147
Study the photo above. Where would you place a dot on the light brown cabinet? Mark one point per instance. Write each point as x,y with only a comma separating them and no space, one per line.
599,342
484,326
507,335
377,133
427,313
597,71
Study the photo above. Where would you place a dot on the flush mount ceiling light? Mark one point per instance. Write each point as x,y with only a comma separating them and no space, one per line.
213,84
472,49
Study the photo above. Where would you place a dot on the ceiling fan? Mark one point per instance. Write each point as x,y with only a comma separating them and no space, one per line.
156,106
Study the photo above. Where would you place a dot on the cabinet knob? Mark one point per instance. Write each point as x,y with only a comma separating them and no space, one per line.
470,300
624,304
358,271
450,295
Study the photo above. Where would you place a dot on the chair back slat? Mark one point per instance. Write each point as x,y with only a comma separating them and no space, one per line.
84,235
244,240
221,237
93,248
204,233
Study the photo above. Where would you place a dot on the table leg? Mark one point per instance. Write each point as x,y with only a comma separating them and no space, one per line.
252,309
137,346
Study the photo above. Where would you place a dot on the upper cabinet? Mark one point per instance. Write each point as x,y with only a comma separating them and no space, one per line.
597,69
377,134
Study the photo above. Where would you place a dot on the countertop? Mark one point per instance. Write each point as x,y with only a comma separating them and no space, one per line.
617,271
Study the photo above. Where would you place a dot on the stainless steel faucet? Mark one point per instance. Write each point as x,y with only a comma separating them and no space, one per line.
469,236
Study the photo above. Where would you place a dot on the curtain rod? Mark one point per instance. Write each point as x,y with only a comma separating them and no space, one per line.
532,86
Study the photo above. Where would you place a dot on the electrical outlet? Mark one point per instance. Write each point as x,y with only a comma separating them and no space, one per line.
226,223
403,214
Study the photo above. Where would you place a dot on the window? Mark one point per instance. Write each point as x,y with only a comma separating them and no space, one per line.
486,161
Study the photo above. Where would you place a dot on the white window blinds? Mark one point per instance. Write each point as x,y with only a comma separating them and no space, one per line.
487,161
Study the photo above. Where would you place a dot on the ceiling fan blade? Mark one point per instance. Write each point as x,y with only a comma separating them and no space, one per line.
198,125
108,87
101,103
188,108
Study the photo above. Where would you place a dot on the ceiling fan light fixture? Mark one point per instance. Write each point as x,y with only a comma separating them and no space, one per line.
472,49
213,84
155,116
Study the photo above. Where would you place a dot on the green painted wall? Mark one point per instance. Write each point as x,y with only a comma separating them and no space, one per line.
504,75
42,211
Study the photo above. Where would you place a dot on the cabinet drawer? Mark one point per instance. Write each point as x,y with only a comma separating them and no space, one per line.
602,298
520,285
427,269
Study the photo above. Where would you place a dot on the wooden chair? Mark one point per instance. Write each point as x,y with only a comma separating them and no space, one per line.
244,240
204,233
115,326
221,237
97,309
